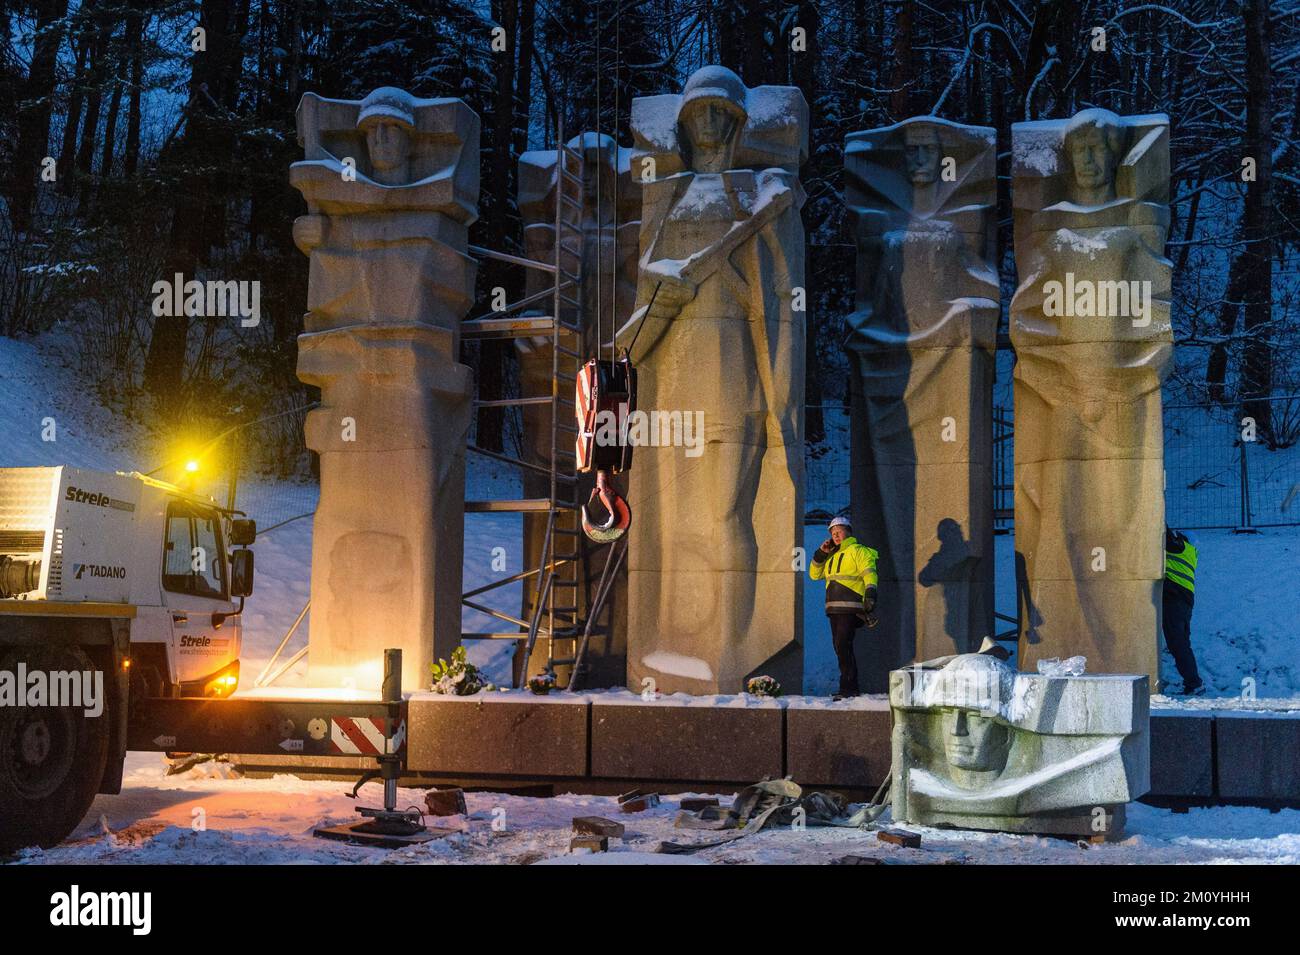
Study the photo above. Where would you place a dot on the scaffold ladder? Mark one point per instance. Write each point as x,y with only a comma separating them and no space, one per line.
556,613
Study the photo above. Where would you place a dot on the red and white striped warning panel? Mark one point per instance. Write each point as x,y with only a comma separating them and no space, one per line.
364,736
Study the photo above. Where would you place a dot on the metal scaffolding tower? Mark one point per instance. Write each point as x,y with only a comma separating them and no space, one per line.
557,615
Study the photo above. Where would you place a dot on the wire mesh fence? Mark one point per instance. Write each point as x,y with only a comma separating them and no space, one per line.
1218,472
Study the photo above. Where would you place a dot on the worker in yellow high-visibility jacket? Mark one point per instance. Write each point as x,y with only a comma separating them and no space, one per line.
849,569
1176,615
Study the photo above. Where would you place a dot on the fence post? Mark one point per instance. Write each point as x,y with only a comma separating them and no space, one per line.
1244,524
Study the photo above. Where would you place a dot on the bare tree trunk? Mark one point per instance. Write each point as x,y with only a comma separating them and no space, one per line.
76,94
95,79
34,110
1216,367
524,73
198,213
110,131
1257,224
493,356
135,23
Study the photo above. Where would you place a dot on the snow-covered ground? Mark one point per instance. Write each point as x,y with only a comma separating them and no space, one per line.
206,816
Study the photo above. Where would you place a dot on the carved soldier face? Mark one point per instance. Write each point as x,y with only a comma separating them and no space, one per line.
390,150
973,741
922,154
1094,154
711,127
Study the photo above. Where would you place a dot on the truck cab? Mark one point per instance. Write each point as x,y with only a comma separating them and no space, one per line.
113,574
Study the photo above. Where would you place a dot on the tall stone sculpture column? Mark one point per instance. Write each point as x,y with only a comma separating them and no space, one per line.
922,200
1090,323
610,222
712,595
391,184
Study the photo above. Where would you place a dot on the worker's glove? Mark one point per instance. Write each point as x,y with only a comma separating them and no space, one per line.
871,620
869,599
827,547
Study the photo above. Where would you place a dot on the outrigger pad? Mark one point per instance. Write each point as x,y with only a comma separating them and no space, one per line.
360,834
383,830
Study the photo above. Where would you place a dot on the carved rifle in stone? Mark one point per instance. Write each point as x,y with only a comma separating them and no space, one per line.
700,265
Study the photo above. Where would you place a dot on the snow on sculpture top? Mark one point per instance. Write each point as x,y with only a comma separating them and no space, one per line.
391,184
391,150
898,169
774,130
1135,166
1091,198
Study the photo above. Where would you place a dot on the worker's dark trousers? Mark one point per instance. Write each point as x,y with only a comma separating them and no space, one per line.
843,628
1177,615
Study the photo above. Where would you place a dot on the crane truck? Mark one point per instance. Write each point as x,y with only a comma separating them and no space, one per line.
120,629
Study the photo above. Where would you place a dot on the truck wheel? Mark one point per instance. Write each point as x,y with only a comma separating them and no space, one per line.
52,759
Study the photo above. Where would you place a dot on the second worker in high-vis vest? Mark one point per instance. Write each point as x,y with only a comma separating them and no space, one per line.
1176,612
849,569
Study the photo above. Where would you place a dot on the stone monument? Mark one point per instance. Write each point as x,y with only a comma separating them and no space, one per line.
1090,324
391,184
713,596
978,746
610,222
922,203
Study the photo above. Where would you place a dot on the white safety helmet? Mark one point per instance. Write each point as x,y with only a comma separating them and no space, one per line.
840,522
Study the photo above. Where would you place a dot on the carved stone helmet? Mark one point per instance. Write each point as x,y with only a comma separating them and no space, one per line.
970,681
387,104
715,83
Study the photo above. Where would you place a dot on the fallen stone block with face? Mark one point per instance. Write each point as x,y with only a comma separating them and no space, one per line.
978,746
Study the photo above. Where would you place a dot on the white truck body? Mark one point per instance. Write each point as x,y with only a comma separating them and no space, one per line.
126,540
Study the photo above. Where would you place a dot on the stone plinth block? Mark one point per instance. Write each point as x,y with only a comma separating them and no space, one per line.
493,733
1182,754
688,739
1258,755
1090,323
977,746
845,744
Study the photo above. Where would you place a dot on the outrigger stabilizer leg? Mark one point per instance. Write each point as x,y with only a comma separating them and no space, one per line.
390,827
